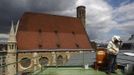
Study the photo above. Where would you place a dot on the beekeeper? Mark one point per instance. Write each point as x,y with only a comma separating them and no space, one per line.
112,51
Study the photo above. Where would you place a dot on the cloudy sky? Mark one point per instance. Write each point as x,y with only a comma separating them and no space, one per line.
104,18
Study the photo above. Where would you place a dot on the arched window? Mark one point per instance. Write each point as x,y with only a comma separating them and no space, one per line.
25,62
12,46
59,60
43,61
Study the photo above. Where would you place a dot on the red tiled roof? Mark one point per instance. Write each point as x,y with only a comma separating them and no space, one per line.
47,31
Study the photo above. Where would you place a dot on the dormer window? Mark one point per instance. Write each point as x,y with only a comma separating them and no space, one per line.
73,33
56,31
40,31
77,45
40,46
58,45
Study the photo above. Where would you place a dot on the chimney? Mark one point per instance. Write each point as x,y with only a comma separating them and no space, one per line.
81,14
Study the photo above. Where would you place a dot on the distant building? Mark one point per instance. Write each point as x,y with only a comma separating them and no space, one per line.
3,53
128,45
104,45
44,39
94,45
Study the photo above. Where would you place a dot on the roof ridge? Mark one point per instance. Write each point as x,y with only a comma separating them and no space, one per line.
38,13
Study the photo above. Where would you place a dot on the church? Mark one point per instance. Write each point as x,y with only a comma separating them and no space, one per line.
40,39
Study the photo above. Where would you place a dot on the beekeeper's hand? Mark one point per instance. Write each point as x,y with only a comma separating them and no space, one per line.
113,52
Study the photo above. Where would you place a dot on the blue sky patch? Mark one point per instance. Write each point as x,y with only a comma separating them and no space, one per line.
118,3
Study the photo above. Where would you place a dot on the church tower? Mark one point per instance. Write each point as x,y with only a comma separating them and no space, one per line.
11,52
81,14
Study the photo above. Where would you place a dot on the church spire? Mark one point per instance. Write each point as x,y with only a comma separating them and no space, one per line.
12,34
12,29
16,28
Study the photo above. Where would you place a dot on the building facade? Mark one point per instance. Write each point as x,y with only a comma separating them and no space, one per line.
40,40
3,53
129,44
3,62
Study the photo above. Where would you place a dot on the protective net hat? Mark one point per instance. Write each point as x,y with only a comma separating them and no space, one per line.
115,37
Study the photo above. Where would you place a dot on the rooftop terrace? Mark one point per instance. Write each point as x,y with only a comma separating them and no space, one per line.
72,71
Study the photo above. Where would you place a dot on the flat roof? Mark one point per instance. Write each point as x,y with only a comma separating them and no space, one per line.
72,71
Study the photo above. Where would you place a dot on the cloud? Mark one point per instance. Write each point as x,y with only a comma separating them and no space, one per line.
124,16
101,17
4,35
13,10
3,38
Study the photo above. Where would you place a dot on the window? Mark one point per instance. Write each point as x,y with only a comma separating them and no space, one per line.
58,45
26,73
14,66
25,62
40,31
59,60
56,31
73,33
77,45
43,61
12,46
40,46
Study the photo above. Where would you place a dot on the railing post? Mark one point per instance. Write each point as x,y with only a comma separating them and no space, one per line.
83,58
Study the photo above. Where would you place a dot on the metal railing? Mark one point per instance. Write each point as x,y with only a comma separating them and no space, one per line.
77,63
75,60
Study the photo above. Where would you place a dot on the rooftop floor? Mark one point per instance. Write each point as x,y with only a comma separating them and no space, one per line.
73,71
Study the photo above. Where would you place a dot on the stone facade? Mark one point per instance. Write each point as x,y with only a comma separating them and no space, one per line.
11,53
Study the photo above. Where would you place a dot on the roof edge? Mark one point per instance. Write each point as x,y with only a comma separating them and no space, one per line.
38,13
